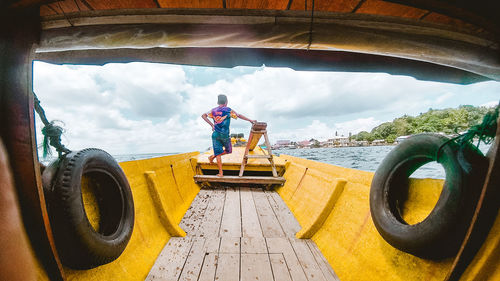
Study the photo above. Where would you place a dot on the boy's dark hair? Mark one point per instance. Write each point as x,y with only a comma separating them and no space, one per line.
221,99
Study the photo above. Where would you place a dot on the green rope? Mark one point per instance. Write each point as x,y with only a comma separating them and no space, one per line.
485,132
51,132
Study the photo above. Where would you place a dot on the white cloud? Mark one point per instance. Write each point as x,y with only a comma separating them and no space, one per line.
444,97
490,104
356,126
144,107
322,131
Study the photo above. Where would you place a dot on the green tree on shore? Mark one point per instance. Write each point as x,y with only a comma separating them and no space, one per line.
448,121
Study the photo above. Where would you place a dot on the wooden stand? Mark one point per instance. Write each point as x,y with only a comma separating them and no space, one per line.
258,129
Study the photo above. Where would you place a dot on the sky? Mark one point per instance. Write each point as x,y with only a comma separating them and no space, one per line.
138,108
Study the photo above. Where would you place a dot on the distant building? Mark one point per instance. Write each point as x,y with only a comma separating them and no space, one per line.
338,141
304,143
378,142
283,142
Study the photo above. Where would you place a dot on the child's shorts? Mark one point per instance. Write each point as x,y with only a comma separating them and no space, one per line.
221,143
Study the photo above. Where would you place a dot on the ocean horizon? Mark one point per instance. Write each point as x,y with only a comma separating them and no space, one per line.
366,158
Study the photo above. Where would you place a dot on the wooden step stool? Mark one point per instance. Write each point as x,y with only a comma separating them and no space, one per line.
258,130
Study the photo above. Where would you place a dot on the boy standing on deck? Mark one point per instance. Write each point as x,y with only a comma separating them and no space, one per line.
220,137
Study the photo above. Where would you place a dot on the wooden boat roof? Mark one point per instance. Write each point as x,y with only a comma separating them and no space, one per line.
450,41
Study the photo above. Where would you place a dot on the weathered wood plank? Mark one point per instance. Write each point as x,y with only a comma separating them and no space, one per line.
268,221
307,260
255,267
209,267
250,225
210,225
194,261
194,215
236,179
287,220
228,267
218,256
169,264
212,244
231,218
324,265
230,245
282,246
280,269
253,245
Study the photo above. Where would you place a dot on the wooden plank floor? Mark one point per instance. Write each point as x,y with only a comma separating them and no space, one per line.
240,234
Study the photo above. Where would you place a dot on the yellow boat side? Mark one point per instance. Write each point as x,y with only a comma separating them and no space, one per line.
162,189
332,206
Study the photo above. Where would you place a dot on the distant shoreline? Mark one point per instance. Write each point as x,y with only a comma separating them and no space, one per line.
334,146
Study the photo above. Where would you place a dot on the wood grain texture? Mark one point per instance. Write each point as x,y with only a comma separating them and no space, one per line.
380,7
288,222
196,4
250,225
280,269
228,267
268,221
229,243
169,264
231,219
194,261
307,260
210,225
255,267
194,215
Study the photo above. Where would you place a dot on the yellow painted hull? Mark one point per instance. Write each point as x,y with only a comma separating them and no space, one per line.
331,204
347,236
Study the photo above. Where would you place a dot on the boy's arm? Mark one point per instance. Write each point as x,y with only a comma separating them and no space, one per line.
246,118
205,117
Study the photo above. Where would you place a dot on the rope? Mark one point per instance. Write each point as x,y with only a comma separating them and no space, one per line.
485,132
51,132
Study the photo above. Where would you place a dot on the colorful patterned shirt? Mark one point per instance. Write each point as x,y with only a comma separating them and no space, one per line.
222,118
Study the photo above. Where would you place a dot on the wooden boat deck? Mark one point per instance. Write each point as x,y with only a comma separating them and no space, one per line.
236,179
233,161
240,234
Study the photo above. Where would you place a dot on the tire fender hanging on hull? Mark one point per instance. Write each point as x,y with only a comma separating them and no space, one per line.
81,242
440,234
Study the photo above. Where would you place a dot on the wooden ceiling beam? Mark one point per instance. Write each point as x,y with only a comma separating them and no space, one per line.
27,3
87,4
360,3
483,13
52,8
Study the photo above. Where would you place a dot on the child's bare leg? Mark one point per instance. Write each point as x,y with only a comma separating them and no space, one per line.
211,159
219,164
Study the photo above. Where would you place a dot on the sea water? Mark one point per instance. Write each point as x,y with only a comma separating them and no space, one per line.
118,157
366,158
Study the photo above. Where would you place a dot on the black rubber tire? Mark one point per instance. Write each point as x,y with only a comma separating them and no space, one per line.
440,234
79,245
